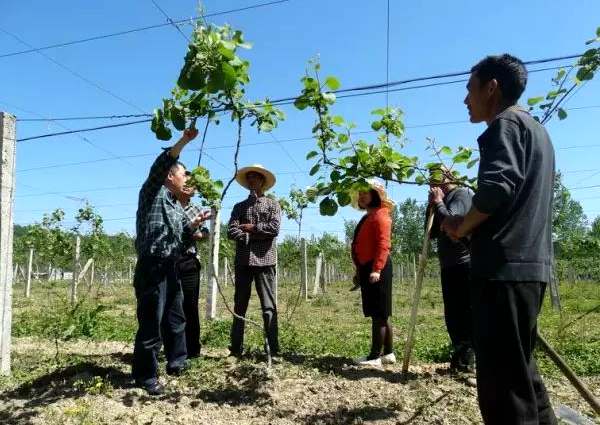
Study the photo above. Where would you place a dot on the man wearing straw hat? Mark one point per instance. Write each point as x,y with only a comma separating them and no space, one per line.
254,226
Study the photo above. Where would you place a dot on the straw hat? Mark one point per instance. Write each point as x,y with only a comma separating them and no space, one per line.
240,177
380,189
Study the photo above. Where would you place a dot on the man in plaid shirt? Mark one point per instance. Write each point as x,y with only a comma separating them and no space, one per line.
254,225
160,225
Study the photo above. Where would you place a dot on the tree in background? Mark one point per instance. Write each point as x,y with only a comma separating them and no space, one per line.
568,219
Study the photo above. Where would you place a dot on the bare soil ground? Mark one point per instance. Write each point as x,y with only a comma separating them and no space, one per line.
90,384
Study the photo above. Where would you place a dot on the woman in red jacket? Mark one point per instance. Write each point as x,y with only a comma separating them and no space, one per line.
371,256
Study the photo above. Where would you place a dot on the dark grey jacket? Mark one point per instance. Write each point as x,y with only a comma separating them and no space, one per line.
514,186
456,203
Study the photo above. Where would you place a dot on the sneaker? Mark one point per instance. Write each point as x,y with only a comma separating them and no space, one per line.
388,358
364,361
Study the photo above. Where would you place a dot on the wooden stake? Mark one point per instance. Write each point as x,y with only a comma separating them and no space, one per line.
213,264
304,268
318,267
571,376
7,194
410,340
76,269
29,266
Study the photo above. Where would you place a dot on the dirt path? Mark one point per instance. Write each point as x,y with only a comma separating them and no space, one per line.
297,390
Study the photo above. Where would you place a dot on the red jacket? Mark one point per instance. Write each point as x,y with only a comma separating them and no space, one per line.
373,241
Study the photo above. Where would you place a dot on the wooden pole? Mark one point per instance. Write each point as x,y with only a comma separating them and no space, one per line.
304,268
29,266
7,194
76,269
414,267
583,390
225,270
318,267
410,340
213,264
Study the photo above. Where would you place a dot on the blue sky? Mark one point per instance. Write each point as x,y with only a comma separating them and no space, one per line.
349,37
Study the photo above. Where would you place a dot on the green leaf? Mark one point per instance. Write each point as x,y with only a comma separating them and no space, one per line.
163,133
315,169
562,114
337,120
311,154
301,103
332,82
472,163
446,150
420,179
335,175
376,125
229,75
534,100
379,111
598,31
584,74
178,118
343,198
328,207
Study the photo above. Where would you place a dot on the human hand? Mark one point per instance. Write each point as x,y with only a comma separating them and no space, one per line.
248,228
436,195
374,277
189,134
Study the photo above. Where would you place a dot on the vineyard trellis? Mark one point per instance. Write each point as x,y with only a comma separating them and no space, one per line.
211,82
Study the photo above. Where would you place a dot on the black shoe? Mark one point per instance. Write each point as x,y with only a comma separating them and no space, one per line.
178,371
235,353
154,388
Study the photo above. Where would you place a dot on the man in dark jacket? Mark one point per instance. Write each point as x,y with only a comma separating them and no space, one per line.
511,244
160,227
449,200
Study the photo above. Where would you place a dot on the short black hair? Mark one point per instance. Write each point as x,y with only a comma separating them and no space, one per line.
175,166
509,71
375,199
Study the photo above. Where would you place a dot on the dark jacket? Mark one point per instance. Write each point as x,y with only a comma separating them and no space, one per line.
514,185
456,203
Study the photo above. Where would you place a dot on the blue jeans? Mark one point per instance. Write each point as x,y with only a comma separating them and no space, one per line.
160,318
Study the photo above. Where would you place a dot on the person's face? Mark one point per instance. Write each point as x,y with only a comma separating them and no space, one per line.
364,199
479,98
255,181
177,179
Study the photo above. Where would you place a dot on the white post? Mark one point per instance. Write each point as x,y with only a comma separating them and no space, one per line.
29,266
76,269
318,266
304,268
213,264
7,193
225,271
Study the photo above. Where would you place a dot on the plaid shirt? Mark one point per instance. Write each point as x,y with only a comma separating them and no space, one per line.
160,218
258,248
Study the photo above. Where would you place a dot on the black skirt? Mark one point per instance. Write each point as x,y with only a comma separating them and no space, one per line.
376,297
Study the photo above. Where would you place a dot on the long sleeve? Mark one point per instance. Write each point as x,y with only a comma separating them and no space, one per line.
382,229
500,173
156,178
233,228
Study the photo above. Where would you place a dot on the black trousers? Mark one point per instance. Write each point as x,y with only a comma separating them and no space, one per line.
264,279
160,318
509,387
456,292
189,273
